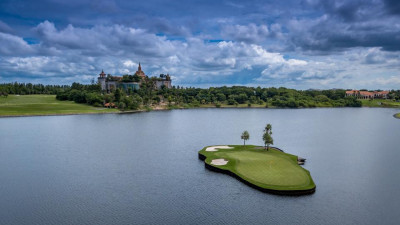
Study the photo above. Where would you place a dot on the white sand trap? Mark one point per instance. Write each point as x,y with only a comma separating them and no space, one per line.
214,148
219,162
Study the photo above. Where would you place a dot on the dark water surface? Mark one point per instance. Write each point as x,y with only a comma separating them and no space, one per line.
143,168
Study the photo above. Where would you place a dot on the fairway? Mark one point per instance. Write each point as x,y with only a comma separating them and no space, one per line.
272,170
380,103
30,105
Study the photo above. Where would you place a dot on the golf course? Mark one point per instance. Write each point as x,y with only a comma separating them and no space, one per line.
267,170
383,103
31,105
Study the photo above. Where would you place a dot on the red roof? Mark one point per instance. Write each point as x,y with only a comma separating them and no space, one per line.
366,93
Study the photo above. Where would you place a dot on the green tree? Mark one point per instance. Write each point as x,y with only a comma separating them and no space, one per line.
117,95
267,136
245,136
121,106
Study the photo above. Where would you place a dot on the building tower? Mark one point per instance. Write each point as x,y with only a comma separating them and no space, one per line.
102,80
140,73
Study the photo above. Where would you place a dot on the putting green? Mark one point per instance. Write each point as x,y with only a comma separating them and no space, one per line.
269,170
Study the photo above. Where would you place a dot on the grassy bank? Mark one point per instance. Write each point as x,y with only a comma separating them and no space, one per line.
397,115
380,103
269,170
29,105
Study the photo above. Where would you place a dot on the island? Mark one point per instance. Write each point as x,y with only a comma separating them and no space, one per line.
272,171
397,115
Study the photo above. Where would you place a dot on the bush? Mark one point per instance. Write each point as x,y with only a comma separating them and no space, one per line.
231,101
195,103
121,106
94,99
62,96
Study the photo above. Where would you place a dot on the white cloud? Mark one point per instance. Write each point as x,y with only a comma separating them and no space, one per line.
13,45
80,53
251,33
130,63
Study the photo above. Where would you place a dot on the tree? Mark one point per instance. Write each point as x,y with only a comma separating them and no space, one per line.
117,95
267,136
245,136
121,106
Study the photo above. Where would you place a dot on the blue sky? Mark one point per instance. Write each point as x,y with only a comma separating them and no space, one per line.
296,43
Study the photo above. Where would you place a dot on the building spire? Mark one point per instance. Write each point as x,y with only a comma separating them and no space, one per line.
102,74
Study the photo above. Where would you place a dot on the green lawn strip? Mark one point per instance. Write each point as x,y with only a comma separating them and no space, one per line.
25,105
232,106
271,169
380,103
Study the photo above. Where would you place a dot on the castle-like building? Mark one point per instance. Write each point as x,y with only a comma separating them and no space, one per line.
109,82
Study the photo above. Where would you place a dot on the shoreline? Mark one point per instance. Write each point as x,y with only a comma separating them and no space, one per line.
397,116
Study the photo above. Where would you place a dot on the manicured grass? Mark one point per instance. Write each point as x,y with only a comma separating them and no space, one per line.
271,170
232,106
379,103
26,105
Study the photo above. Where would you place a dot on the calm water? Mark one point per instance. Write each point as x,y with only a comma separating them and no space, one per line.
143,168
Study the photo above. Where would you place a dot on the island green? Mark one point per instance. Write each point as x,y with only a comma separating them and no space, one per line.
267,170
397,115
29,105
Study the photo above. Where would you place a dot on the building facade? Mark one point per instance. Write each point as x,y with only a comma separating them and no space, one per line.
163,81
367,94
109,83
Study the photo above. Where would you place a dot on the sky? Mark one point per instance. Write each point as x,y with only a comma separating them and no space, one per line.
302,44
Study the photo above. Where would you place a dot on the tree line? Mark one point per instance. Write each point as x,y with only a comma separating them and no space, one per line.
179,97
29,89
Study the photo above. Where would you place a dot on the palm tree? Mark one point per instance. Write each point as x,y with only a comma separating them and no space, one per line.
245,136
267,136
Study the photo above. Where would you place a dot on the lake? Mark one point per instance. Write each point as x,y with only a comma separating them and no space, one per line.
143,168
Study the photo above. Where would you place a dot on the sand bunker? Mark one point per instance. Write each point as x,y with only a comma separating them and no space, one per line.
214,148
219,162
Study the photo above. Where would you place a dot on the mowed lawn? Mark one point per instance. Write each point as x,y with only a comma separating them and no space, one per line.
24,105
380,103
271,169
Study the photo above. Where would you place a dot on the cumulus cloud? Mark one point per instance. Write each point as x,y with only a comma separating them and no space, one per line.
345,24
117,48
251,33
105,40
332,43
4,28
13,45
